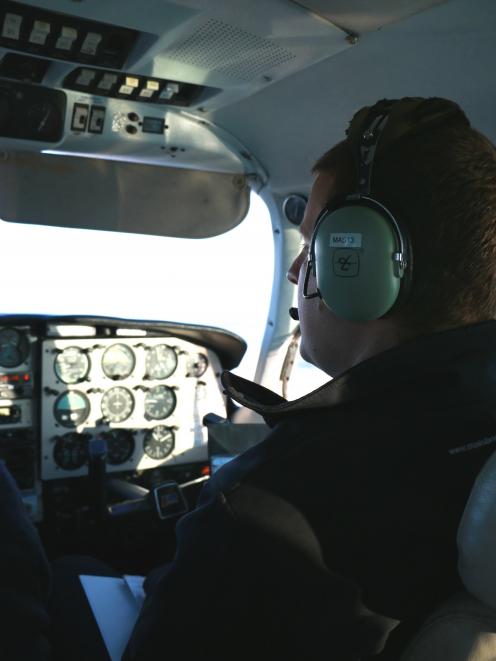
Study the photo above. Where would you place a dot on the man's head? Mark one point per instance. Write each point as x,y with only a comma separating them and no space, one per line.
439,179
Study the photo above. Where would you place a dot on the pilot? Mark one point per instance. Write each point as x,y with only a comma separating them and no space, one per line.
336,536
317,542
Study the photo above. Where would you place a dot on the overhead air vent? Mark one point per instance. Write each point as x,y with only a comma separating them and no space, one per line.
228,50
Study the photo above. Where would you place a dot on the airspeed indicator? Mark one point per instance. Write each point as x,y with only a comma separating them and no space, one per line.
72,365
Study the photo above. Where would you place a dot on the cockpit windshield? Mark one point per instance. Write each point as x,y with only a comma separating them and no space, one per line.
224,281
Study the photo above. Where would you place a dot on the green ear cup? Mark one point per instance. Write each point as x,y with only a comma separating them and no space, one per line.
356,273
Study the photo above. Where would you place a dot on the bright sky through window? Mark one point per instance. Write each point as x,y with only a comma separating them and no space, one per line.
223,281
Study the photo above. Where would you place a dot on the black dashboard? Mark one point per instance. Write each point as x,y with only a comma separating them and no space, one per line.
143,387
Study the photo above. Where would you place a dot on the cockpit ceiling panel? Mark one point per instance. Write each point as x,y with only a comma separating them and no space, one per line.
118,196
360,16
240,52
444,51
220,45
230,51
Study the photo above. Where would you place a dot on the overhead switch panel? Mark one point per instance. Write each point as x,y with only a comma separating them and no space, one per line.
132,86
52,34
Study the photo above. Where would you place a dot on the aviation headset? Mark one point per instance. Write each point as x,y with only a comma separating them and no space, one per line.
360,253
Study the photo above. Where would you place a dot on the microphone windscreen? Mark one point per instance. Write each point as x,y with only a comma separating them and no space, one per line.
293,313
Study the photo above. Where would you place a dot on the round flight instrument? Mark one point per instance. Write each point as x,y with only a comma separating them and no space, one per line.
72,365
117,404
118,361
120,446
14,347
197,365
161,362
71,408
159,442
71,451
160,402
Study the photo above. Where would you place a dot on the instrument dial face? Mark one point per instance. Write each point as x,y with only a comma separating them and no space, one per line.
197,365
117,404
118,361
71,408
71,451
14,347
160,402
159,442
72,365
161,362
120,446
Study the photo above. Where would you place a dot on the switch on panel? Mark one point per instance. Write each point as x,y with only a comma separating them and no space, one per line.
91,43
12,26
108,81
97,119
86,77
39,33
66,39
168,92
80,117
152,86
131,83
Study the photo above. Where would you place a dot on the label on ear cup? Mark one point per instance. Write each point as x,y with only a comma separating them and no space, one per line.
346,263
345,240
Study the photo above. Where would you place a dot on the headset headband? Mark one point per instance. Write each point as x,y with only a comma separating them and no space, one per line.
370,136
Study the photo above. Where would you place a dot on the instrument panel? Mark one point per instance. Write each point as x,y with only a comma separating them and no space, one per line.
145,396
142,386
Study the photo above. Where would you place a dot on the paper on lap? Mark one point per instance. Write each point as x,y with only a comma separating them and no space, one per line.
115,603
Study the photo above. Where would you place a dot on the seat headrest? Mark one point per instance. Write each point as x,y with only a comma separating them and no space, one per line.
477,537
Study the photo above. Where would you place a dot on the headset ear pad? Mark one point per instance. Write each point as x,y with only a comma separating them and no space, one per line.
355,270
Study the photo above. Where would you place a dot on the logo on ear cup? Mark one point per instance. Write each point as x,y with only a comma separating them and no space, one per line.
346,263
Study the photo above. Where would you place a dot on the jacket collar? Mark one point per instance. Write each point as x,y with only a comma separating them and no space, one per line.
463,357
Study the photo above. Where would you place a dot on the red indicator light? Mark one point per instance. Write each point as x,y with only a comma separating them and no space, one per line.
15,378
26,377
4,378
205,470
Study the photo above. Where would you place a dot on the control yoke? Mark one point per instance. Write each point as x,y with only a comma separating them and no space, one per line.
166,500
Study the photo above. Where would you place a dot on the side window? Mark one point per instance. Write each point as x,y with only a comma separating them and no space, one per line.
304,378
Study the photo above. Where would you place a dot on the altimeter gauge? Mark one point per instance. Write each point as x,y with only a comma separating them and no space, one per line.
161,362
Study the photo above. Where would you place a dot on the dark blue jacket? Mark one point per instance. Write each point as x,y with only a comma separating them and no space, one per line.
24,580
313,544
